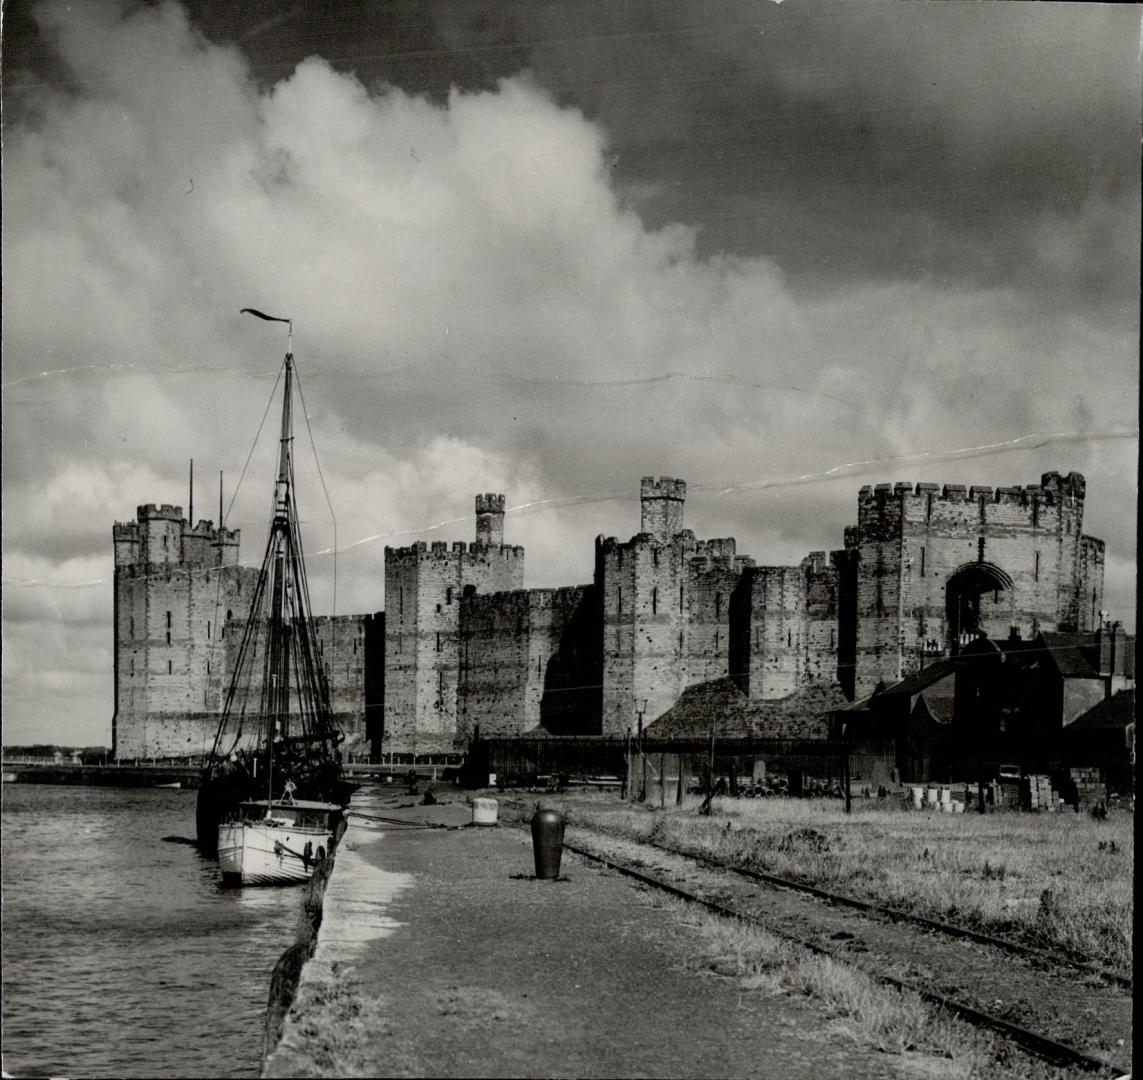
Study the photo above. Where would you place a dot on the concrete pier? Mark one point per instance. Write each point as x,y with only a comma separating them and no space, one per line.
440,954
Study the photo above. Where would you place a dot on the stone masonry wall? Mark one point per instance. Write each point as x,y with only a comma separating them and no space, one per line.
713,574
173,586
422,631
913,538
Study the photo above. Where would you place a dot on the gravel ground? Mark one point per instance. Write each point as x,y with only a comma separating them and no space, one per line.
1077,1008
440,955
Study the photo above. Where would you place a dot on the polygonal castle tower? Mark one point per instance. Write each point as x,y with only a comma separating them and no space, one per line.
935,566
181,604
665,602
424,584
176,584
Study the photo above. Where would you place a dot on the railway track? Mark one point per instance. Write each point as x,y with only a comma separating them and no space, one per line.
1028,1038
1031,952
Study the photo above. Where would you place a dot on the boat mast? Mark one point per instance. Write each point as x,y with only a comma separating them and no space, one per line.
277,654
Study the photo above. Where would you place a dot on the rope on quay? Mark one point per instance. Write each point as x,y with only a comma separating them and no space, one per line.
403,823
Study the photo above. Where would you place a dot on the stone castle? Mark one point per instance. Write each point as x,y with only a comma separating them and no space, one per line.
463,645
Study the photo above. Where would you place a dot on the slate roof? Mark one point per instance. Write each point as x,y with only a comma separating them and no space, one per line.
1067,653
720,704
1116,711
921,680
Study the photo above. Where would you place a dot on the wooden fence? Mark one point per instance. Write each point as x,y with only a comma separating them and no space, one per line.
526,760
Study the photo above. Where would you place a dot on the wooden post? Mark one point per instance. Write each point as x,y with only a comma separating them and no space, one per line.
845,779
679,787
626,766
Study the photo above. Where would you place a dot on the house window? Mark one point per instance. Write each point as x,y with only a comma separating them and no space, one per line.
621,600
717,604
208,667
922,562
1036,570
680,598
168,620
448,595
654,601
401,600
132,625
170,668
438,609
438,641
789,638
655,555
208,630
716,641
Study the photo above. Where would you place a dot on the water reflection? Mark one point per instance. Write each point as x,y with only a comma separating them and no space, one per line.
124,955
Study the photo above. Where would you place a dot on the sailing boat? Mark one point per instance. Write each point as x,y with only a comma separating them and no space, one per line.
272,797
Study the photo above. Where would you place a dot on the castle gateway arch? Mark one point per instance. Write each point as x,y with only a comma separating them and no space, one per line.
978,597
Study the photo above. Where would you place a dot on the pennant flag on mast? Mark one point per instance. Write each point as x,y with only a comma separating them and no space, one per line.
261,315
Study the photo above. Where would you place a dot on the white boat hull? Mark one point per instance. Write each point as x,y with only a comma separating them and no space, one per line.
260,853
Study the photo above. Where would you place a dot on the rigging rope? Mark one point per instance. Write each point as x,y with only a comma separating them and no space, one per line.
254,444
321,477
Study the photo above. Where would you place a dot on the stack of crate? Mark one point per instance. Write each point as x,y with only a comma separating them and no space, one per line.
1037,793
1008,793
1089,788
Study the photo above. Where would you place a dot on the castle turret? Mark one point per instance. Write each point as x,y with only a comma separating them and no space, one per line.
161,534
490,520
125,536
662,499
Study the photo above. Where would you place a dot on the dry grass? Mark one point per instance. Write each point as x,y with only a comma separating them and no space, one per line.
1060,880
870,1013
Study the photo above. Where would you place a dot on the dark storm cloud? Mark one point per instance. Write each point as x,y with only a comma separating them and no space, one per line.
897,139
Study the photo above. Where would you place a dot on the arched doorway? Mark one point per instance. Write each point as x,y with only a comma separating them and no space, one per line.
977,594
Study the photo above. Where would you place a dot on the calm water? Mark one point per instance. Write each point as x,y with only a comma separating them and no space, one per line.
123,956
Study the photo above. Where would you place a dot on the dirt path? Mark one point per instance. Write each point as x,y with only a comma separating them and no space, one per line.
1078,1009
473,968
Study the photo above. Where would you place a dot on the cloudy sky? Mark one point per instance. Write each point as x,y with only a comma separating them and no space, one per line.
778,250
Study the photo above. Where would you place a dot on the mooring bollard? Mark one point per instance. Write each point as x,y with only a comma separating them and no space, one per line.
547,843
484,811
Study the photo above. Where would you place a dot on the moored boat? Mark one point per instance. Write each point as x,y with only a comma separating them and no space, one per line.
276,842
276,738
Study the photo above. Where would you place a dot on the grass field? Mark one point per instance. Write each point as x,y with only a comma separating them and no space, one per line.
1062,880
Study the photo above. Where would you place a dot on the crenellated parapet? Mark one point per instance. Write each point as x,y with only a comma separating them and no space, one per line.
161,537
490,519
662,499
1052,489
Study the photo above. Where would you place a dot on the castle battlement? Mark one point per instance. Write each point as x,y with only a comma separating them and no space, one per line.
662,487
719,548
165,512
490,503
441,551
1052,489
